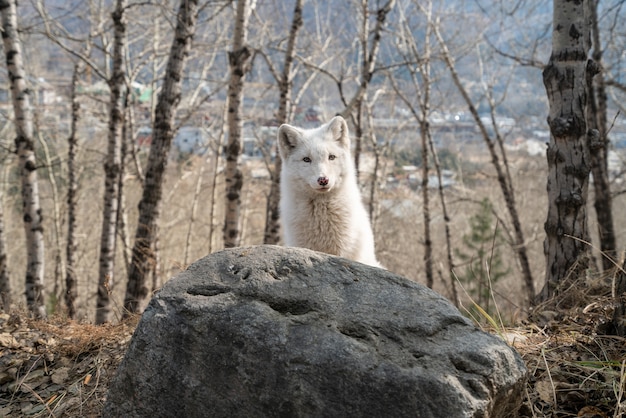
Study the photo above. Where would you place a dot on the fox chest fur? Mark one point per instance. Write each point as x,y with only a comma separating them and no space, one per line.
322,223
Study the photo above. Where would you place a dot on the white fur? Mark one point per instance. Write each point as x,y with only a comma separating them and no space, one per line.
323,217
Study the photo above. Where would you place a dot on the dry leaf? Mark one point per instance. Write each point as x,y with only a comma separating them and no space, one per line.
591,412
545,391
8,341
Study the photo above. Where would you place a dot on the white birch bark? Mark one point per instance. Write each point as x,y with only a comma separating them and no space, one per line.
238,58
112,168
25,149
272,219
71,286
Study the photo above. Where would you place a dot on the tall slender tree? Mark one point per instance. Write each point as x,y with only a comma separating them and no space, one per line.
369,53
71,286
419,69
149,205
25,148
565,79
599,146
499,163
239,59
285,81
5,283
117,83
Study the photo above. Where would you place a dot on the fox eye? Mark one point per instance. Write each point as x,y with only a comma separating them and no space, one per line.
331,157
306,159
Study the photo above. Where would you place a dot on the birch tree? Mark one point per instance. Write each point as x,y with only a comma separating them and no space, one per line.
5,284
285,81
25,148
599,146
117,83
149,205
71,287
565,79
5,279
239,59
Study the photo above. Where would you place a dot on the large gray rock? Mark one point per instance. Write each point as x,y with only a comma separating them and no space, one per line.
280,332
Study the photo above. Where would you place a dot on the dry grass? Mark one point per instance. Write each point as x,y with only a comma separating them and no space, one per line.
57,367
575,367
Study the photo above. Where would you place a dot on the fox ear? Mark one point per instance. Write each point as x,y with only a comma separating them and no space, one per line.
288,137
339,130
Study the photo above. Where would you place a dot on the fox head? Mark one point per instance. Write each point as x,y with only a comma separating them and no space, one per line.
316,158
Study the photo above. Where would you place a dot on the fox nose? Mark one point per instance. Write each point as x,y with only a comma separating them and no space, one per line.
322,181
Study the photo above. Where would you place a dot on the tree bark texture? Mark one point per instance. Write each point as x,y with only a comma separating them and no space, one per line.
426,138
239,60
25,148
112,168
5,284
598,147
569,162
272,217
149,206
71,289
619,315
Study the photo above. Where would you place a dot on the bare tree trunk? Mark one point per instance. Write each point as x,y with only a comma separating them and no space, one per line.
112,168
428,243
25,148
423,88
59,265
272,224
194,208
425,135
238,59
149,205
5,284
5,278
357,121
369,56
569,162
446,218
71,287
519,245
122,219
379,150
216,166
368,66
217,153
619,314
598,147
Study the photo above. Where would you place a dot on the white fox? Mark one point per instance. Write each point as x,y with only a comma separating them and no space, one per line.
320,202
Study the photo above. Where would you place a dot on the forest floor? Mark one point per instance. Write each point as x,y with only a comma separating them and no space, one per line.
62,368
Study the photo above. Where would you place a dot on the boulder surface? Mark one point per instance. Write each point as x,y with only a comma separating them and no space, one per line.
269,331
